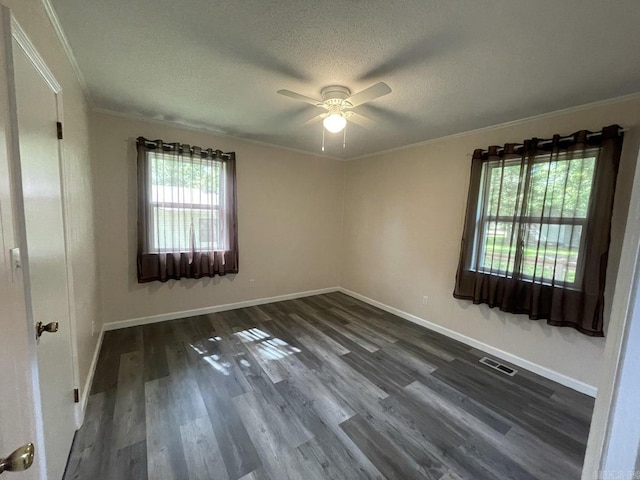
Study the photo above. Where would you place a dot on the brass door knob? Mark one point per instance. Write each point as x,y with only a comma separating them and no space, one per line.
19,460
49,327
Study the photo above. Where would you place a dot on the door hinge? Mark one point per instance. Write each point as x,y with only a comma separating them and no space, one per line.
59,127
76,395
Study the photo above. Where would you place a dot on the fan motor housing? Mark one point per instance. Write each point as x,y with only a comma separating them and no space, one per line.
334,94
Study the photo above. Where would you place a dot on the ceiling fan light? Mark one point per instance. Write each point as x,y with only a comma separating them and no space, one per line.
335,122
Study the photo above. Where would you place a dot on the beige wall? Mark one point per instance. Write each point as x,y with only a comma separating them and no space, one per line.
77,177
403,216
289,211
403,221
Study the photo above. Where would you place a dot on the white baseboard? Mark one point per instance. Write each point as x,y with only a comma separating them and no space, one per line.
88,382
507,357
216,308
80,412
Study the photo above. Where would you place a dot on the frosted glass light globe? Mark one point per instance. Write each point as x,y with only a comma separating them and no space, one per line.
334,123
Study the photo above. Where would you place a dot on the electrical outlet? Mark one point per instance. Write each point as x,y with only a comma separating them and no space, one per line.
251,283
425,300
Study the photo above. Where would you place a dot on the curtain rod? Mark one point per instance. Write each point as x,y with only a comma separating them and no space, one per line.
589,135
592,134
149,143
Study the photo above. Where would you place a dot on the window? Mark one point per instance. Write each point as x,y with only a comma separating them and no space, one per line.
187,220
549,201
537,228
186,200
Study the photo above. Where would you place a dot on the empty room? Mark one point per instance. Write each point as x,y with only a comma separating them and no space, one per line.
320,240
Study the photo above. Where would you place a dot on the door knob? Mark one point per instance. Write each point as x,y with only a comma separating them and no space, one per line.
49,327
19,460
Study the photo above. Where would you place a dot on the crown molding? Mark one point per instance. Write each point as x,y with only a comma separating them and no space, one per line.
210,131
578,108
512,123
66,46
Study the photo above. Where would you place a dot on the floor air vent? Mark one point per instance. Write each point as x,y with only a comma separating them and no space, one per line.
498,366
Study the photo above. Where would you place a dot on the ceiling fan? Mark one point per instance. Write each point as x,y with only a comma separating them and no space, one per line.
338,103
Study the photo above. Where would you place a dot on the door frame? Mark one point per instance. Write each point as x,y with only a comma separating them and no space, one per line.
19,35
23,394
615,424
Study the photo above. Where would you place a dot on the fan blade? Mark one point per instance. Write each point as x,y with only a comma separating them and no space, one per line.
360,120
297,96
315,119
384,114
368,94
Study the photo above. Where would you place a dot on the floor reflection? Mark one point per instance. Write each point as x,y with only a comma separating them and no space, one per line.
269,348
262,343
222,367
213,359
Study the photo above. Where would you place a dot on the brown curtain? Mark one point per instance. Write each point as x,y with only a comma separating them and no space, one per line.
187,212
537,228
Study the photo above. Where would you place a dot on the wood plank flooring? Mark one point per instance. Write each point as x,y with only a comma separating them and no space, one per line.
316,388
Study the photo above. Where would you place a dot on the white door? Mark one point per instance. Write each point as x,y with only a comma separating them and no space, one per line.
47,289
20,422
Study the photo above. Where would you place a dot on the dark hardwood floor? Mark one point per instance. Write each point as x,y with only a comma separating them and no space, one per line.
315,388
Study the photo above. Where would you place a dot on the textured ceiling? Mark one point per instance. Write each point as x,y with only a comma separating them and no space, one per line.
453,65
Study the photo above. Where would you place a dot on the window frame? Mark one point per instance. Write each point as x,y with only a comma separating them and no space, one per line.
483,220
154,206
